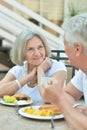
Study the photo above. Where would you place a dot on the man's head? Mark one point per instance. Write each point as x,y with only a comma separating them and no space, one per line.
75,39
76,30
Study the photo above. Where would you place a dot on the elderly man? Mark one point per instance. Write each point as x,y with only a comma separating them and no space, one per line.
75,42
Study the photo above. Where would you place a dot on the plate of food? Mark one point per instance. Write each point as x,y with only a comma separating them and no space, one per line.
44,112
16,99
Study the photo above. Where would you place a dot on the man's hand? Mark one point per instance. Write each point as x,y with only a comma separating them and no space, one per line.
52,90
82,109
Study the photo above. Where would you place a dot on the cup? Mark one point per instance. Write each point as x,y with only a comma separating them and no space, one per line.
44,80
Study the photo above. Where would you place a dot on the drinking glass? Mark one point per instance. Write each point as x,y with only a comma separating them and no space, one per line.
44,80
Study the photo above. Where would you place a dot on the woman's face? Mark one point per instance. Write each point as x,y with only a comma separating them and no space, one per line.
35,51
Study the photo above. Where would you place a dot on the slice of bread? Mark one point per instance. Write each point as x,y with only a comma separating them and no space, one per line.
55,110
22,97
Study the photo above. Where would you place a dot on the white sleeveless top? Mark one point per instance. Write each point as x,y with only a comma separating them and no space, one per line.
21,71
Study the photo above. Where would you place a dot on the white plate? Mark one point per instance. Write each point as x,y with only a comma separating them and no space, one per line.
19,103
60,116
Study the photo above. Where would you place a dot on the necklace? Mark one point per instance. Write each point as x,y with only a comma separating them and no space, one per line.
26,67
31,85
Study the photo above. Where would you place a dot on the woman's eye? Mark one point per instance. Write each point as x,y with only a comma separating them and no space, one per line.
41,47
30,49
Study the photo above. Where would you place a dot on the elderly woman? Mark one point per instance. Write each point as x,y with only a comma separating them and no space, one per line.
30,55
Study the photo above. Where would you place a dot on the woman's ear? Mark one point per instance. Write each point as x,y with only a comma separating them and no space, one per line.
78,49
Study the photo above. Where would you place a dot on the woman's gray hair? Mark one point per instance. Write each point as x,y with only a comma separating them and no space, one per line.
17,53
76,30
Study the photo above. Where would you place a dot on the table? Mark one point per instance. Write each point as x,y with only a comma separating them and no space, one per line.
9,120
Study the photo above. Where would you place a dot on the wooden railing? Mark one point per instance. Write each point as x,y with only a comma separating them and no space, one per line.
12,24
34,15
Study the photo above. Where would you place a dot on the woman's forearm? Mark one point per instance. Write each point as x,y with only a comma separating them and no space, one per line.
12,86
40,73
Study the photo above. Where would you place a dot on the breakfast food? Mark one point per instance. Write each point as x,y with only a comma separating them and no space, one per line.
45,110
37,112
21,97
55,110
9,99
15,98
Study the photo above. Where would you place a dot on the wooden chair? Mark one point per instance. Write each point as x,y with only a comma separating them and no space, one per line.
3,70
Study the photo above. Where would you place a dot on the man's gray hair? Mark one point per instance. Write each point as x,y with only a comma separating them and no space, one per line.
76,30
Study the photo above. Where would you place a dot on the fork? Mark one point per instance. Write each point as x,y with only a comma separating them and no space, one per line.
17,109
52,122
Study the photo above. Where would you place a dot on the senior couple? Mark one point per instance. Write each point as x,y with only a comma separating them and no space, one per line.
30,54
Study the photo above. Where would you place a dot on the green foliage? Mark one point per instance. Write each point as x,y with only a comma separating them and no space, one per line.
73,9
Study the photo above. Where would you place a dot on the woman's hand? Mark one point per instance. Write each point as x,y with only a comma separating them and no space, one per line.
46,64
33,76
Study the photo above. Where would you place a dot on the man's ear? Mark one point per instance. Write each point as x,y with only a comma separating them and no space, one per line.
78,49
